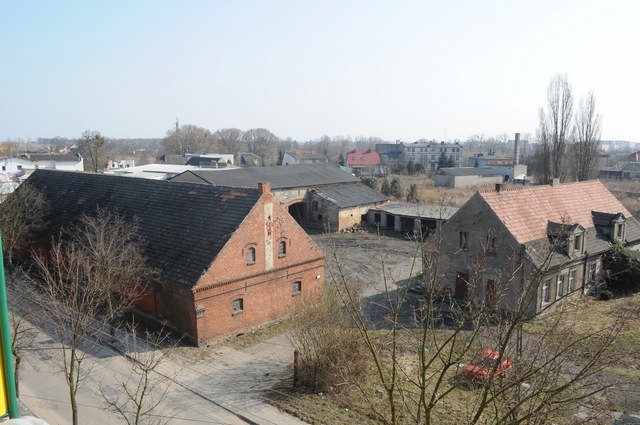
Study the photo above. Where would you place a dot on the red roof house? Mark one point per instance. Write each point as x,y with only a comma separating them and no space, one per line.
364,162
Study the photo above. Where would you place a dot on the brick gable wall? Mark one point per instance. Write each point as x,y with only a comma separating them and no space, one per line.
265,287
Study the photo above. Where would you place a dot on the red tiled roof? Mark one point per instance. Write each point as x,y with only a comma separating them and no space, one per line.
366,158
526,212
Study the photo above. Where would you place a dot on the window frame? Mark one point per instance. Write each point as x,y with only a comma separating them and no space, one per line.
463,242
250,255
282,248
237,306
572,280
560,286
296,288
546,294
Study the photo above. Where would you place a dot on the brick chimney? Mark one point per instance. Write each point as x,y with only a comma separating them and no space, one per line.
264,187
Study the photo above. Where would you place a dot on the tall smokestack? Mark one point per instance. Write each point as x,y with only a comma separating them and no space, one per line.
516,153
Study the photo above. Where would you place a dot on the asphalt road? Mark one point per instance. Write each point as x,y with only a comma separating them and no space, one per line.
216,384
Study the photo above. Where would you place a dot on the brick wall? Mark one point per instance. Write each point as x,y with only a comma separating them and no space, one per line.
266,286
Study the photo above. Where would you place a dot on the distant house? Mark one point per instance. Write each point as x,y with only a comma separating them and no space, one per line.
17,166
391,153
364,163
209,160
227,258
553,235
302,157
320,196
247,159
468,176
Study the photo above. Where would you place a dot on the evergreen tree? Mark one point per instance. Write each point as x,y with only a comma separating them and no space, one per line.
386,187
396,188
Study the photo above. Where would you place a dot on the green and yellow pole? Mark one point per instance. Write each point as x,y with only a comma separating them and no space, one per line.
8,398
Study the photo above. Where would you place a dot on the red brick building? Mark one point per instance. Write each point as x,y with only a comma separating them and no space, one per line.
228,258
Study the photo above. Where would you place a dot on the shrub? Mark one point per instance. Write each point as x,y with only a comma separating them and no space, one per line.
606,295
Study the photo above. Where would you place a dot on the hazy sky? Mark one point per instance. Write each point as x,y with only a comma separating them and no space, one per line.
394,69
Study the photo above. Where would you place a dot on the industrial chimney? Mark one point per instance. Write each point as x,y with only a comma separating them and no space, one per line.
516,153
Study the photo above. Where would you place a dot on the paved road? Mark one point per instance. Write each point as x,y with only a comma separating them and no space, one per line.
208,387
217,384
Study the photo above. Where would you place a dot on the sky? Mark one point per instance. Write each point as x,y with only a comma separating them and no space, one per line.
400,70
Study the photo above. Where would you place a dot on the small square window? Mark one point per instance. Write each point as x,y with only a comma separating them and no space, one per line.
237,306
296,288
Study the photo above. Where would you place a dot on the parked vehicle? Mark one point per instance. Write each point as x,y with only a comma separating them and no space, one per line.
483,366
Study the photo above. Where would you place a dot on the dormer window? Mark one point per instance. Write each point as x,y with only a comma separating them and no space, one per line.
610,226
567,239
618,228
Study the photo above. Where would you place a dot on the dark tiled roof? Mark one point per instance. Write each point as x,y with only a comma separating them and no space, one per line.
280,177
68,157
185,225
350,194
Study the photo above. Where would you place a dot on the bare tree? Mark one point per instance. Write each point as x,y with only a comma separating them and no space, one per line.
418,358
22,333
90,275
92,148
555,126
22,214
230,140
587,127
137,397
189,139
263,143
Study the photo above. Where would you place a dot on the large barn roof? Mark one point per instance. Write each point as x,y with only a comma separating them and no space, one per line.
184,225
280,177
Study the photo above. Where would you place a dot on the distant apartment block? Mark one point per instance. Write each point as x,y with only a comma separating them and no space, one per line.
429,153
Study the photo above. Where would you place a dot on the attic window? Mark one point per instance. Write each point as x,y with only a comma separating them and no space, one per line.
282,249
251,255
609,225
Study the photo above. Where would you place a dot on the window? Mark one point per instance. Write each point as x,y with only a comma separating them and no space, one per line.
490,294
572,280
593,271
491,245
577,243
237,306
296,288
560,286
464,240
282,249
619,231
546,297
251,255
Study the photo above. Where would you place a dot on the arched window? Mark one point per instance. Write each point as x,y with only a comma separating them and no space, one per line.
251,255
282,249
